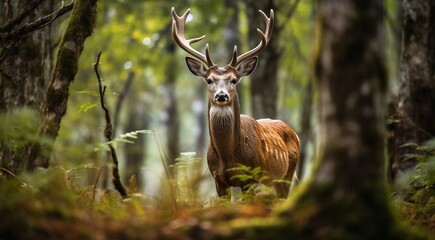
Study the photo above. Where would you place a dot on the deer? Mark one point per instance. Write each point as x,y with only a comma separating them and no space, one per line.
237,139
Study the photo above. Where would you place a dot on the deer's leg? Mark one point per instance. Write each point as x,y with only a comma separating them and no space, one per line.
283,188
218,173
222,188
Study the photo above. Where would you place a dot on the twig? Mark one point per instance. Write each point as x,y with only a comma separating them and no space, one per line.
8,172
15,176
108,132
95,187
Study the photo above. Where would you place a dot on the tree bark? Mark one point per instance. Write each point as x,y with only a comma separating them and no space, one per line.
413,118
80,26
351,82
25,67
264,80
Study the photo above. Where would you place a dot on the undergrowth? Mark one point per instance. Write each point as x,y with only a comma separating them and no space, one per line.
417,200
57,203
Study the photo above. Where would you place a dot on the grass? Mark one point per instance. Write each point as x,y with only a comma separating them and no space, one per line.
56,203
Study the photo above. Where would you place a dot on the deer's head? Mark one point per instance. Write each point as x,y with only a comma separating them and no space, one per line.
221,81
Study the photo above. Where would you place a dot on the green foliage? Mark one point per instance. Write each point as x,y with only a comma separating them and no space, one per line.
16,130
123,138
134,37
418,202
256,188
19,131
422,181
187,177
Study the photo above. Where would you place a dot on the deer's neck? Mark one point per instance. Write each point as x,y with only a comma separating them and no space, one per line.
224,127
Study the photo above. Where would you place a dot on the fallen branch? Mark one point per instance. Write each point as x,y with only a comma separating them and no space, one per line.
108,133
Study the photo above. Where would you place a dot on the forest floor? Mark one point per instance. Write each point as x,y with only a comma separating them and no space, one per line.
51,208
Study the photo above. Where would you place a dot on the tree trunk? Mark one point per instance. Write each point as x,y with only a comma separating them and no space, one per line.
351,82
306,133
80,26
25,69
346,198
264,80
413,117
173,121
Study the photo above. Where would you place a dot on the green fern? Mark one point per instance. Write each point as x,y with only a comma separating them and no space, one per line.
256,189
123,138
86,107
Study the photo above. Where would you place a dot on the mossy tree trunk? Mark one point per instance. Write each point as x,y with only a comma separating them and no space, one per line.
80,26
348,189
415,109
25,68
346,197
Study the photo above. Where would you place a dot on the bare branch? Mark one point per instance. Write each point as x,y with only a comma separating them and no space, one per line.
33,26
10,24
108,132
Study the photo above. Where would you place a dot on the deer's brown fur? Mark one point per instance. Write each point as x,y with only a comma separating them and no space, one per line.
239,139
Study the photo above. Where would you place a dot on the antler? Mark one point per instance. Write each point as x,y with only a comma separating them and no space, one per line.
265,38
178,34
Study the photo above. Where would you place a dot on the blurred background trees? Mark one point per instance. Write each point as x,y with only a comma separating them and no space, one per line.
149,86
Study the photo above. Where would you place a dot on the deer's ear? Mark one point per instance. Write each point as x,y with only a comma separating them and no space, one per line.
247,67
196,67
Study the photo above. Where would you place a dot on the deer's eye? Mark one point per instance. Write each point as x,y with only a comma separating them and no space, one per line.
209,81
234,81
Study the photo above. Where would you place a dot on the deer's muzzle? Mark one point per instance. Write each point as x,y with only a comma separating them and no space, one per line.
221,97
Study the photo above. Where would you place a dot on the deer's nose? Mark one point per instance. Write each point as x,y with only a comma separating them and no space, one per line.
221,97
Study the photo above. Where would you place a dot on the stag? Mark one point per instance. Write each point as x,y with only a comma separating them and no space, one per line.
237,139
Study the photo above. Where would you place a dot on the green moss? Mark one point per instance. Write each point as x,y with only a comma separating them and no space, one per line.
80,26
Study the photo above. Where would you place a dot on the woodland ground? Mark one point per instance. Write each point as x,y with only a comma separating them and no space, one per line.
53,207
